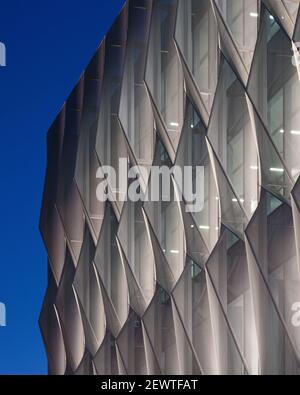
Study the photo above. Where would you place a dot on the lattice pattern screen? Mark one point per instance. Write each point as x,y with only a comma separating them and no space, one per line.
148,288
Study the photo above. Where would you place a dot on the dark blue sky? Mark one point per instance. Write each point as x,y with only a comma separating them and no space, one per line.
48,43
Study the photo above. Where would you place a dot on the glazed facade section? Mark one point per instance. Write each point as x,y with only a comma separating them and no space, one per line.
147,287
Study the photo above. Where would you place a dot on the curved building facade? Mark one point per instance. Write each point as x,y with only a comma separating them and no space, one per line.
148,287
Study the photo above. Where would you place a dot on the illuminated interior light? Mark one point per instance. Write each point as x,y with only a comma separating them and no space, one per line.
204,227
192,226
235,200
281,131
271,17
254,167
174,251
254,14
295,132
174,124
276,169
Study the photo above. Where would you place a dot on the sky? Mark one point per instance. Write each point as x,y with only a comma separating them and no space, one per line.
48,45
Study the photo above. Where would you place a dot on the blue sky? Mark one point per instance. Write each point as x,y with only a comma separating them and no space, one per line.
48,43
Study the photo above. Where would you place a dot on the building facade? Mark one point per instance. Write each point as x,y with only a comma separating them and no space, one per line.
147,287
